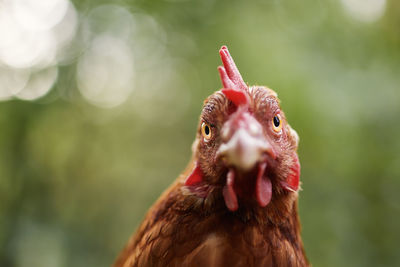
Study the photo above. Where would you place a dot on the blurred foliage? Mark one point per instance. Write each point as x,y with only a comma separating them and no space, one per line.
76,178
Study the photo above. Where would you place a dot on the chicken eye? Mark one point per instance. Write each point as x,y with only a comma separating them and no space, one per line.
277,123
206,131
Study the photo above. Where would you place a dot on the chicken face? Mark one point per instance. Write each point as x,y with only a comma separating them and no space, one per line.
244,144
236,203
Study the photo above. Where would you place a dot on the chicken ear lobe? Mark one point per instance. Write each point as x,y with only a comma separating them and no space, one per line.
196,176
293,180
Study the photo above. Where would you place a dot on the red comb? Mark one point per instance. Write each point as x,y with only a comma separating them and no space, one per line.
235,89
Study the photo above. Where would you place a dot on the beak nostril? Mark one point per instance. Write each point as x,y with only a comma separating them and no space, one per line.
254,129
225,133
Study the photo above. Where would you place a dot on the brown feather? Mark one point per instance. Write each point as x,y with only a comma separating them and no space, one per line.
182,230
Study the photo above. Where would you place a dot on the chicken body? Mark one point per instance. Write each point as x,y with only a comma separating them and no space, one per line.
236,203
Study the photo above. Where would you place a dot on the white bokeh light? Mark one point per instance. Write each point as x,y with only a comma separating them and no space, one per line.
148,42
105,72
38,15
39,84
29,50
365,10
64,34
12,81
8,34
110,19
33,38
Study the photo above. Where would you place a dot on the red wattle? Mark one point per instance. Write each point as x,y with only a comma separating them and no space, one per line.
263,187
229,194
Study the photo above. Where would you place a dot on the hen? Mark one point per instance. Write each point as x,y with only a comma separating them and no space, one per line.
236,203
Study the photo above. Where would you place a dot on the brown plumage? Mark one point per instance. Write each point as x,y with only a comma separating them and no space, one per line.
236,203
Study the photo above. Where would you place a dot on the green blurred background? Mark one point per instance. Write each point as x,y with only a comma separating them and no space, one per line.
99,102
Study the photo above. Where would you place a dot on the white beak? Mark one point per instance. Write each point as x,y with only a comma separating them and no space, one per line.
245,147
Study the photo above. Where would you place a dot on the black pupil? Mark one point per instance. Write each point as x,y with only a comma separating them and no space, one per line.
277,122
207,130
